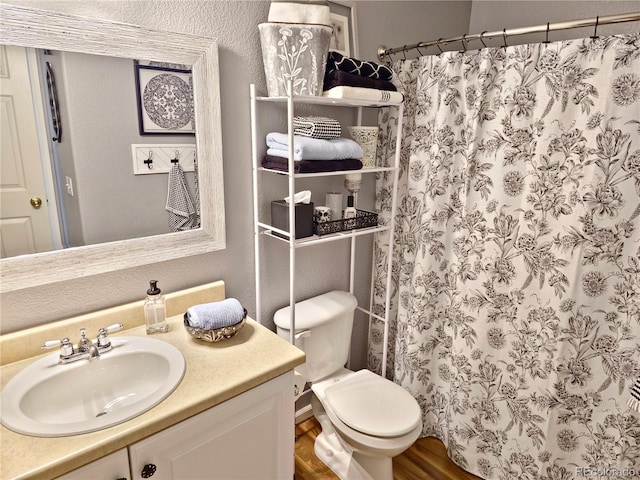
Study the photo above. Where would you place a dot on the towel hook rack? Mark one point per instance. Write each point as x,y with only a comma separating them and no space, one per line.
149,161
176,159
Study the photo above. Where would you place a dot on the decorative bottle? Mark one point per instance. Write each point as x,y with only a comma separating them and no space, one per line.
350,211
155,311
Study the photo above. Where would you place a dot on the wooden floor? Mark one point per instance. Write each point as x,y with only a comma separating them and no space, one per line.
426,459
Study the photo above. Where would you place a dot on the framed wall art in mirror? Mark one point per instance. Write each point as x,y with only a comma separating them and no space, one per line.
40,29
165,100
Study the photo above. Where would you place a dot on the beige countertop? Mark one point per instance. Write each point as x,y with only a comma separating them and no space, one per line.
215,372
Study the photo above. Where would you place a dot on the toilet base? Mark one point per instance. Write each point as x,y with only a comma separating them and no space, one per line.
341,459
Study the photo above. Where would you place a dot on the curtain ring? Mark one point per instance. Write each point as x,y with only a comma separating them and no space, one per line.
418,48
546,35
482,40
504,37
438,44
404,52
595,30
464,42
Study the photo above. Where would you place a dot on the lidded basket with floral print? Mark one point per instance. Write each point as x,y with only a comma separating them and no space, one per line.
296,52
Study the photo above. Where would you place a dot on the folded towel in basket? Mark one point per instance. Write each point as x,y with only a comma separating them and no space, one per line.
215,314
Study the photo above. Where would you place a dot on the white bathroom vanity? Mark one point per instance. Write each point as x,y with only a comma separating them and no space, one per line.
231,416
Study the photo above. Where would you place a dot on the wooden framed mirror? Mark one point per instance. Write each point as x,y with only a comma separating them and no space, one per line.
41,29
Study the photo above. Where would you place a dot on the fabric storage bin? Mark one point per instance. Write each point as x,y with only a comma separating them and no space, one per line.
297,52
303,214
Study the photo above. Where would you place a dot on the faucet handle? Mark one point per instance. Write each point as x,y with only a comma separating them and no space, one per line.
112,328
103,337
66,347
51,344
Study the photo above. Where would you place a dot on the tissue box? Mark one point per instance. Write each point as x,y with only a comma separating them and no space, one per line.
304,217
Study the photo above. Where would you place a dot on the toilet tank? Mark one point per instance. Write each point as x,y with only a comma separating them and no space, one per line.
323,332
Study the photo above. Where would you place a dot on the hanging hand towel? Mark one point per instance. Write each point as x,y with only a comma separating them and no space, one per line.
305,148
179,203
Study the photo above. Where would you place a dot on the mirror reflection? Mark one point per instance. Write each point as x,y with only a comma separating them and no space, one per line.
94,149
32,28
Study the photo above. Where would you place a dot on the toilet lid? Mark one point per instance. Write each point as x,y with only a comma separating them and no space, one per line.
373,405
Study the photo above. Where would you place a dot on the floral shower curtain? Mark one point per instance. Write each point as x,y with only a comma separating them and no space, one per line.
516,302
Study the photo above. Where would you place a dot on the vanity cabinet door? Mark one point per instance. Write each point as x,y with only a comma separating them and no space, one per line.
112,467
250,437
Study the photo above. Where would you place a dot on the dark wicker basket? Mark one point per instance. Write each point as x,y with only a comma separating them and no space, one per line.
363,219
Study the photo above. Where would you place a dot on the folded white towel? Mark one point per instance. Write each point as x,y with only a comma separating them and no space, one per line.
294,12
305,148
215,314
367,94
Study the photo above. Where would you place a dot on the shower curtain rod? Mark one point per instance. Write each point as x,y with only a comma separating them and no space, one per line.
383,51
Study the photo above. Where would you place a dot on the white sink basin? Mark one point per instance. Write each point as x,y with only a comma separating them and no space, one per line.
48,399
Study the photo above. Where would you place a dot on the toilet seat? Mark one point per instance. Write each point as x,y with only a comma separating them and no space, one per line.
370,404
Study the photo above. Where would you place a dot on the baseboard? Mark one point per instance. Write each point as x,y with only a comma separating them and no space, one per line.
303,413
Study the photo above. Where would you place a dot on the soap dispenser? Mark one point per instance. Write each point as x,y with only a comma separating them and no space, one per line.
155,312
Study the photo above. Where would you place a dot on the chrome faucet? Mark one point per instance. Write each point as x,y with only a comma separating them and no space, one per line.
85,347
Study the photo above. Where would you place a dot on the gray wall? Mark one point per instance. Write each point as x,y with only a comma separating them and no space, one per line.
233,25
100,122
495,15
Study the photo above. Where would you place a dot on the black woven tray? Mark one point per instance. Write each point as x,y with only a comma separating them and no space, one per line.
363,219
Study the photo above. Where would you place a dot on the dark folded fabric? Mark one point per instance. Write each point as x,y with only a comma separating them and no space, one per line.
311,166
338,78
337,61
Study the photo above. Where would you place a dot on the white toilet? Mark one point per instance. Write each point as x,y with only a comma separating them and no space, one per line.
366,419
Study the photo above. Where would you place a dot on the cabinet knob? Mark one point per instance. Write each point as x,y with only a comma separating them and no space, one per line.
148,470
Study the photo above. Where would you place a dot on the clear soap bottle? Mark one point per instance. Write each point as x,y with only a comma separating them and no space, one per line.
155,311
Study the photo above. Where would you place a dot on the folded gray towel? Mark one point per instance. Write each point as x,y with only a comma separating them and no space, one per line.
215,314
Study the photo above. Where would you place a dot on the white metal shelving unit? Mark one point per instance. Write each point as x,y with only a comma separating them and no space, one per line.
264,229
